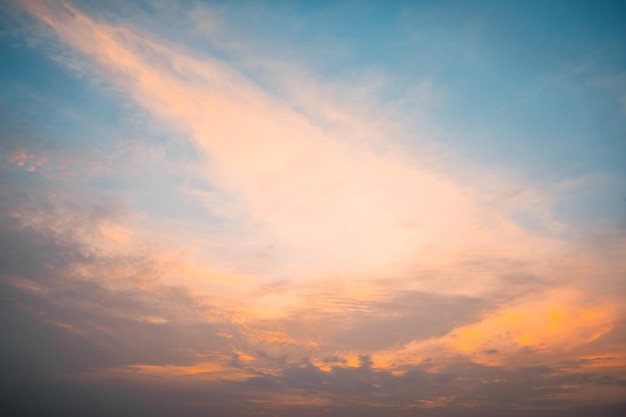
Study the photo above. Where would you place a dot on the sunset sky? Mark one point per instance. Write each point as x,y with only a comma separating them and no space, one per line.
312,208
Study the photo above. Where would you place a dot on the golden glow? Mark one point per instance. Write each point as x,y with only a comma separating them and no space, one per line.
556,321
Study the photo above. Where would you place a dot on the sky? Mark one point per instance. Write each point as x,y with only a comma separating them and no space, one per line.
329,208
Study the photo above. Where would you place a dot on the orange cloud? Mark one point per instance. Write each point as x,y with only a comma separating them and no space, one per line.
555,323
201,370
552,323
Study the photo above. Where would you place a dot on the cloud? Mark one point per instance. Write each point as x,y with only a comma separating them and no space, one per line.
328,205
286,249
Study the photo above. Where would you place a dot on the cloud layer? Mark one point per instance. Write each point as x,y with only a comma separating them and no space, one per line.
238,234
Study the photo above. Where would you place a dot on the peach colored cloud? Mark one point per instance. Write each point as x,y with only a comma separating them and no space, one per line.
27,161
320,202
330,204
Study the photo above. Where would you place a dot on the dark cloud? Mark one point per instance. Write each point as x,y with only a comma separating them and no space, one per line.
57,326
407,317
58,321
